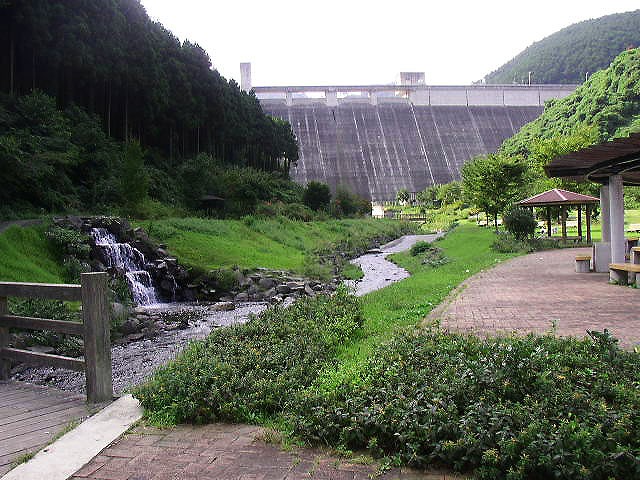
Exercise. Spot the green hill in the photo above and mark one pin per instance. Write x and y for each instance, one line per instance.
(604, 107)
(567, 55)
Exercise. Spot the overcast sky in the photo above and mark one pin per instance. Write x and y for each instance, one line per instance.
(369, 42)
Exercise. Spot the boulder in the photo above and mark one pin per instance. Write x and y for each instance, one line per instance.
(242, 297)
(131, 325)
(266, 283)
(223, 306)
(283, 289)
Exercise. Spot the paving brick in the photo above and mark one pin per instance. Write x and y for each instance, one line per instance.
(531, 293)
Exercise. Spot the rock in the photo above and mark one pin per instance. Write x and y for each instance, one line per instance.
(309, 291)
(140, 311)
(134, 337)
(242, 297)
(295, 285)
(373, 251)
(270, 293)
(223, 306)
(118, 310)
(283, 289)
(266, 283)
(131, 325)
(253, 289)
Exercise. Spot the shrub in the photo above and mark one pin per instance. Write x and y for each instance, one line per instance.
(317, 196)
(293, 211)
(520, 222)
(419, 247)
(248, 371)
(508, 408)
(507, 243)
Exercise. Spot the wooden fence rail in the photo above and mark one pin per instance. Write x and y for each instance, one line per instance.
(94, 329)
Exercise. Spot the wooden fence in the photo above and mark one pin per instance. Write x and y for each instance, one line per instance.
(94, 329)
(413, 217)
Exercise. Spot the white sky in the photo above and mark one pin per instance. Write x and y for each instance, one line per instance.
(369, 42)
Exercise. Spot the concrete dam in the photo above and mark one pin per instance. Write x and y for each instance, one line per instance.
(385, 138)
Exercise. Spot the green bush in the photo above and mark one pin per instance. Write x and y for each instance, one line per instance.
(293, 211)
(520, 222)
(419, 247)
(507, 243)
(508, 408)
(245, 372)
(316, 196)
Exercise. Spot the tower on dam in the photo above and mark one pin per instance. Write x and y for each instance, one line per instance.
(377, 139)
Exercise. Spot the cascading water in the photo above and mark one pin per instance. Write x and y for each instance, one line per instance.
(130, 262)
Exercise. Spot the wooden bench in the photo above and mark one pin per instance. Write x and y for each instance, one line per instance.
(583, 263)
(620, 272)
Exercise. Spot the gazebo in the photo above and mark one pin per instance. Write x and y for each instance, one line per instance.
(563, 199)
(612, 164)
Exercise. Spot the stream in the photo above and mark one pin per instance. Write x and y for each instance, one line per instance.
(380, 272)
(134, 362)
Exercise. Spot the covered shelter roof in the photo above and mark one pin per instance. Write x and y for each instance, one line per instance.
(558, 196)
(597, 163)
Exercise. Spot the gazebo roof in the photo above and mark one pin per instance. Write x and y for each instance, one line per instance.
(598, 162)
(558, 196)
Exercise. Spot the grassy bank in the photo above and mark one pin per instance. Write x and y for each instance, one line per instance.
(275, 243)
(406, 303)
(26, 256)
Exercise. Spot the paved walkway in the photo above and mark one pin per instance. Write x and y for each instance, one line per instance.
(529, 293)
(221, 451)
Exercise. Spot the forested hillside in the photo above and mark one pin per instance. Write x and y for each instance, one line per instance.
(604, 107)
(102, 108)
(110, 58)
(567, 55)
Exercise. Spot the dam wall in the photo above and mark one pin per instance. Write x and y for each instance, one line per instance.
(377, 140)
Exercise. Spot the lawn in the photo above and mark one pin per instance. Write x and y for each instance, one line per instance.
(26, 256)
(275, 243)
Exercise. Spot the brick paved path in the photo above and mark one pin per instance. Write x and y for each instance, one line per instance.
(220, 451)
(526, 294)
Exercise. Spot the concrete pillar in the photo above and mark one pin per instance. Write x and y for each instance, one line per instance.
(288, 99)
(332, 98)
(245, 76)
(373, 98)
(616, 218)
(604, 213)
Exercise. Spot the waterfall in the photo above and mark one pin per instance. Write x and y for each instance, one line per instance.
(130, 262)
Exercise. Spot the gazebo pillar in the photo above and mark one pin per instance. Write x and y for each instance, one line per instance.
(587, 218)
(616, 218)
(580, 222)
(602, 250)
(604, 213)
(549, 222)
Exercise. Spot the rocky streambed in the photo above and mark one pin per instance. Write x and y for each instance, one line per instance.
(134, 360)
(136, 355)
(380, 272)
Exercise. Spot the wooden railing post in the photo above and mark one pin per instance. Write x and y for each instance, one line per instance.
(5, 364)
(97, 344)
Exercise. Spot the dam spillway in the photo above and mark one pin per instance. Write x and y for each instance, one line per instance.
(375, 145)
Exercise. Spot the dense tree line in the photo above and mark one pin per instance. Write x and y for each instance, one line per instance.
(567, 55)
(108, 57)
